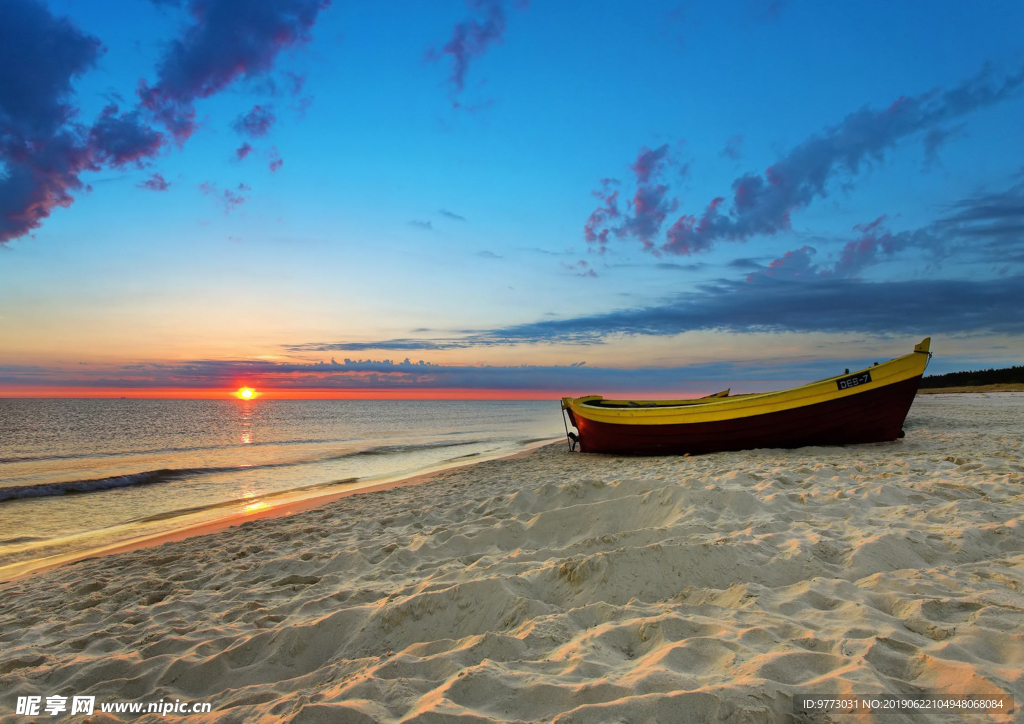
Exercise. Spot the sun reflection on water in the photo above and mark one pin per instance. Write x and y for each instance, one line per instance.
(245, 419)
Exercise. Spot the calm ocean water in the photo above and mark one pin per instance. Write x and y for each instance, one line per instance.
(77, 474)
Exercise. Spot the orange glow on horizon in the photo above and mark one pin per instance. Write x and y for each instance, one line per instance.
(245, 393)
(313, 393)
(267, 393)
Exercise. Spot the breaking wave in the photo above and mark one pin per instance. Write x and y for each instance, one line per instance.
(163, 475)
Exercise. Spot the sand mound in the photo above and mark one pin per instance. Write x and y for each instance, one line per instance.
(574, 588)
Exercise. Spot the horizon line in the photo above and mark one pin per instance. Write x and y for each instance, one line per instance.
(202, 393)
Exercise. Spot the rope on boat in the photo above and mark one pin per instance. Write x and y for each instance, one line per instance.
(569, 437)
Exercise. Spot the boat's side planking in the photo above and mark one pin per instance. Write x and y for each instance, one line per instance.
(869, 405)
(877, 377)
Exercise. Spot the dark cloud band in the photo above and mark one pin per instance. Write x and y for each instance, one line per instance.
(766, 304)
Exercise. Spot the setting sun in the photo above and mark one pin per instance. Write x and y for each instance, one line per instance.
(245, 393)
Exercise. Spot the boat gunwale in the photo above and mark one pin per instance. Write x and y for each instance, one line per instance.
(747, 405)
(617, 404)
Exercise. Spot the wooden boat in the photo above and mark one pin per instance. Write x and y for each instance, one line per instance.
(869, 405)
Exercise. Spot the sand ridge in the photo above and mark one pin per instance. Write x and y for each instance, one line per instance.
(574, 588)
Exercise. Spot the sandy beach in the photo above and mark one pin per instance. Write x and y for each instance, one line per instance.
(575, 588)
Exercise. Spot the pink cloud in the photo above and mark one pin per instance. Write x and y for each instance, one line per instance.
(649, 163)
(471, 39)
(156, 182)
(275, 163)
(256, 123)
(763, 204)
(646, 210)
(230, 199)
(595, 230)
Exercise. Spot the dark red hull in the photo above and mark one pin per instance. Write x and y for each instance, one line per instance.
(871, 416)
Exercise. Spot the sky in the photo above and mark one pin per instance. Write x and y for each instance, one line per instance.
(503, 199)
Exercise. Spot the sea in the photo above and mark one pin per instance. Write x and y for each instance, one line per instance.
(79, 475)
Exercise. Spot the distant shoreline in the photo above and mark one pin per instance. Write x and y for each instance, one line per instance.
(1012, 387)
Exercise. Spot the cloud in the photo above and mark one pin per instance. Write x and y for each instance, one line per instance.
(41, 56)
(275, 162)
(424, 225)
(993, 217)
(650, 203)
(156, 182)
(386, 374)
(795, 264)
(283, 84)
(745, 263)
(646, 211)
(762, 205)
(38, 179)
(732, 147)
(294, 82)
(242, 151)
(488, 255)
(649, 162)
(693, 235)
(987, 225)
(672, 266)
(581, 268)
(874, 241)
(42, 149)
(256, 123)
(767, 304)
(650, 206)
(470, 40)
(824, 305)
(227, 40)
(596, 229)
(985, 228)
(796, 294)
(451, 215)
(394, 345)
(230, 199)
(121, 139)
(936, 138)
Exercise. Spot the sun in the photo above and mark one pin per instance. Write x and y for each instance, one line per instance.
(245, 393)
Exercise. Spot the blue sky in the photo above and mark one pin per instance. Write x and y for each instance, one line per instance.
(435, 181)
